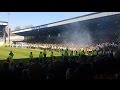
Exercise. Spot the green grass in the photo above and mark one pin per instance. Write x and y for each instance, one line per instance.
(22, 53)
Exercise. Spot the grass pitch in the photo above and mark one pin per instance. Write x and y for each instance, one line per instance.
(22, 53)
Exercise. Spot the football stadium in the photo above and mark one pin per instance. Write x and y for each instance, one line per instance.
(80, 48)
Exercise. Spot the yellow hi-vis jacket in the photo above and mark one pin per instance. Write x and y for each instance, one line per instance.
(51, 54)
(11, 58)
(40, 56)
(30, 56)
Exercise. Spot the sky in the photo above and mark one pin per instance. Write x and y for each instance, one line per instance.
(36, 18)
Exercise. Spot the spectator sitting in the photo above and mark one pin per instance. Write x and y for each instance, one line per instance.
(36, 71)
(50, 76)
(6, 73)
(69, 73)
(54, 59)
(25, 74)
(8, 60)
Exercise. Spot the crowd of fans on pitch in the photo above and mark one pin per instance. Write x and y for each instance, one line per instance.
(98, 64)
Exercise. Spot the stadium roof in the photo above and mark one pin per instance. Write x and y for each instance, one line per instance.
(68, 21)
(3, 23)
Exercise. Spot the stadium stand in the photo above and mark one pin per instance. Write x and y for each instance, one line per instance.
(92, 29)
(3, 32)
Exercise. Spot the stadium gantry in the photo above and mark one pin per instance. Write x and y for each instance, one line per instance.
(102, 27)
